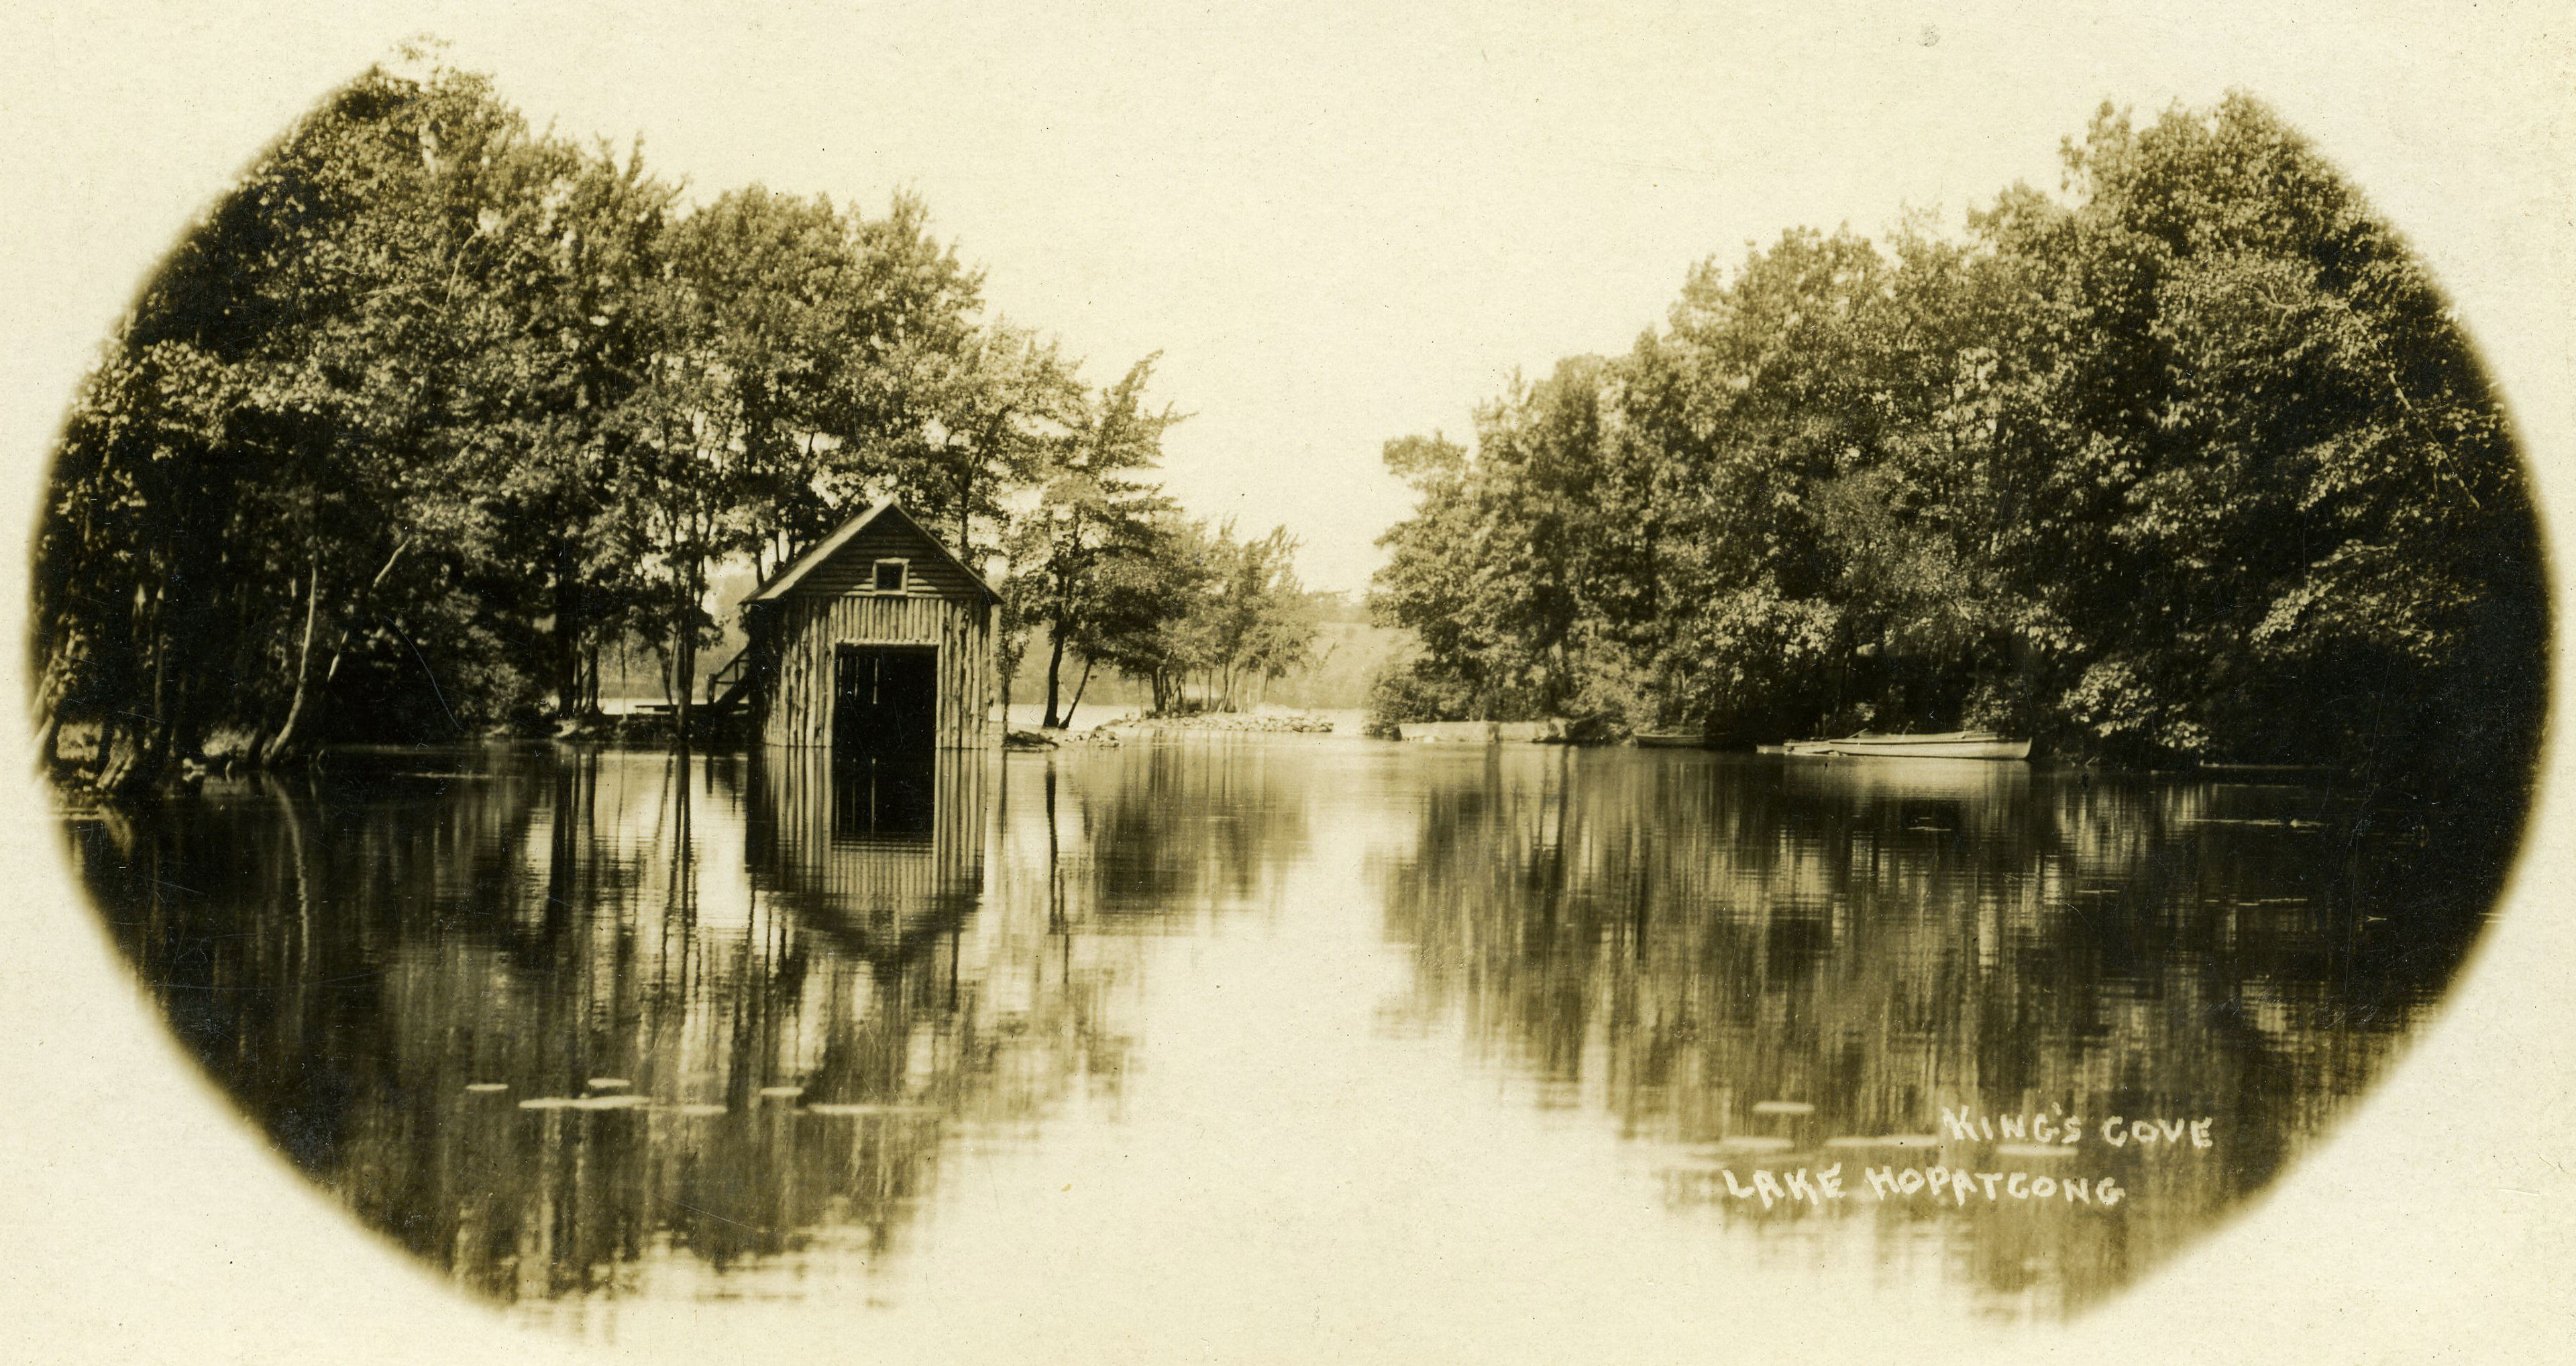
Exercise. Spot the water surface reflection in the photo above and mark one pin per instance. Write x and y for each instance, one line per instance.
(1792, 965)
(592, 1027)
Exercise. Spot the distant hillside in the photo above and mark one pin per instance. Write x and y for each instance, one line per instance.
(1347, 654)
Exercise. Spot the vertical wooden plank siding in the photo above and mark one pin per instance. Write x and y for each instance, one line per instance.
(797, 850)
(880, 894)
(813, 627)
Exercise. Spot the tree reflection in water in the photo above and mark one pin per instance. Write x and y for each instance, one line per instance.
(1680, 939)
(562, 1020)
(582, 1025)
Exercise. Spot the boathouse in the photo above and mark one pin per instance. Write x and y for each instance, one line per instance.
(878, 642)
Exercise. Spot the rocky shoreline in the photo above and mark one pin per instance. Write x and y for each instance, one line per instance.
(1109, 734)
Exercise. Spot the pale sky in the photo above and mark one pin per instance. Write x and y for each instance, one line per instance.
(1338, 227)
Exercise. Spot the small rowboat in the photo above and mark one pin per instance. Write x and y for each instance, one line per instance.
(1672, 739)
(1956, 744)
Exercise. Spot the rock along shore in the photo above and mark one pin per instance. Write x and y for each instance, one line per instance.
(1111, 733)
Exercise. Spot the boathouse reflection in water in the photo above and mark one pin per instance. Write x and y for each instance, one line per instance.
(582, 1026)
(551, 1021)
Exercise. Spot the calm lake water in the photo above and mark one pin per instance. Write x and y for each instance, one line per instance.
(1338, 1041)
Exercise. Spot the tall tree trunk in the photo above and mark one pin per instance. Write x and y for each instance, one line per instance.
(278, 744)
(1078, 689)
(1006, 660)
(684, 653)
(154, 749)
(1055, 673)
(684, 664)
(357, 610)
(567, 630)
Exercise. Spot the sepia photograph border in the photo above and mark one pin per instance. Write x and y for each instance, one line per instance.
(144, 1219)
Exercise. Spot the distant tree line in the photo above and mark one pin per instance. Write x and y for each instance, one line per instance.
(433, 408)
(2191, 464)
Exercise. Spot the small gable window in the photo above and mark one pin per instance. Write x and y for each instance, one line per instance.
(889, 576)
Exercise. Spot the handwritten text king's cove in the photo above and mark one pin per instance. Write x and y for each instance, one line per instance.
(2067, 1131)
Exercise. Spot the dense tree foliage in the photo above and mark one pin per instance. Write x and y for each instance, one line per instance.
(1116, 576)
(433, 408)
(2191, 463)
(1212, 617)
(1075, 558)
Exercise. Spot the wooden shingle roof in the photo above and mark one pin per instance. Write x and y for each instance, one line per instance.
(839, 562)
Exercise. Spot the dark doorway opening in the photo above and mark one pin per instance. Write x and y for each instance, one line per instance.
(878, 801)
(885, 703)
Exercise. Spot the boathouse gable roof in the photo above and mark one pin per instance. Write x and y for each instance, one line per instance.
(843, 561)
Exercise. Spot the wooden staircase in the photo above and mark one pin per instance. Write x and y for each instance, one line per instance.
(729, 690)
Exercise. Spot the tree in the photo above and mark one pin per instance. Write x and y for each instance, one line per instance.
(1493, 573)
(1091, 512)
(2191, 464)
(1252, 613)
(986, 415)
(293, 406)
(593, 325)
(431, 409)
(1146, 624)
(2276, 472)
